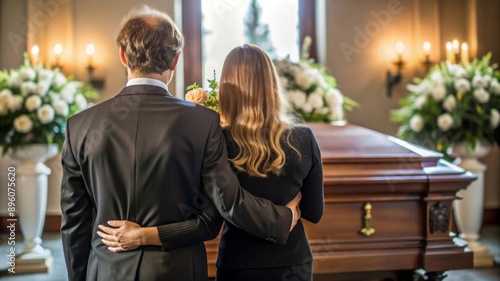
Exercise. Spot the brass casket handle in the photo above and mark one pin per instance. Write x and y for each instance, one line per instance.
(368, 230)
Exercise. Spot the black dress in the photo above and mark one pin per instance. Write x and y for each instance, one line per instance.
(243, 256)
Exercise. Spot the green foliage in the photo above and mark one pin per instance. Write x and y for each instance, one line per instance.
(213, 102)
(350, 104)
(193, 87)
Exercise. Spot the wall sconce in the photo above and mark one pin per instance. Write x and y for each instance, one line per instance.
(427, 62)
(96, 83)
(395, 79)
(90, 65)
(58, 51)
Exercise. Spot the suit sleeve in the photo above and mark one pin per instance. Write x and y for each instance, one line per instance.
(257, 216)
(77, 215)
(204, 226)
(312, 203)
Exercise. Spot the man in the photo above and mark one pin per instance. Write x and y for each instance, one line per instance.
(148, 157)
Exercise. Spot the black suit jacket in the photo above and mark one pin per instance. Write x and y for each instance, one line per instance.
(148, 157)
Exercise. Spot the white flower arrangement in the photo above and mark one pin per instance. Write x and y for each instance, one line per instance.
(452, 104)
(35, 103)
(311, 91)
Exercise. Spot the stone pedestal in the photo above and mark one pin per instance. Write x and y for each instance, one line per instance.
(31, 204)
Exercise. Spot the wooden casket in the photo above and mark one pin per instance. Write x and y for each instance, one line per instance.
(388, 209)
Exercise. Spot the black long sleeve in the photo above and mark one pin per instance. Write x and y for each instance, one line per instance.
(205, 226)
(312, 203)
(76, 207)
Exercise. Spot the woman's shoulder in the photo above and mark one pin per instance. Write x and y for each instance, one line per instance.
(302, 139)
(301, 131)
(302, 134)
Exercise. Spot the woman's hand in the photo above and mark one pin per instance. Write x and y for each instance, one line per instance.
(123, 236)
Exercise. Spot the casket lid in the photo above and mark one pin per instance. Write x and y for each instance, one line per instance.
(371, 161)
(352, 143)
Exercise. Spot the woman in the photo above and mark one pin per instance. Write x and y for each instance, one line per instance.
(273, 159)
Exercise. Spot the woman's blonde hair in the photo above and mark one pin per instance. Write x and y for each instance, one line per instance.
(252, 111)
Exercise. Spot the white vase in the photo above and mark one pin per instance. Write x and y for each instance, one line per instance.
(31, 196)
(469, 210)
(338, 123)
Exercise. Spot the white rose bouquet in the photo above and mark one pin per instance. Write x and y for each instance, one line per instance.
(35, 103)
(311, 91)
(452, 104)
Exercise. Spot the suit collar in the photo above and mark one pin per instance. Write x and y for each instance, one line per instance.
(143, 89)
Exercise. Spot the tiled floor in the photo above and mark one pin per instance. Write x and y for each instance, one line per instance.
(490, 238)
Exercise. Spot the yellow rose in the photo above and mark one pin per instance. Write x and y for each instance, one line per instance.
(198, 96)
(439, 147)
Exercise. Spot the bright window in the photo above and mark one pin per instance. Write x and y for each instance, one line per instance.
(272, 25)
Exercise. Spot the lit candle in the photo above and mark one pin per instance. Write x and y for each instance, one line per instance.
(465, 53)
(90, 53)
(58, 51)
(456, 46)
(34, 54)
(427, 50)
(450, 56)
(427, 47)
(400, 48)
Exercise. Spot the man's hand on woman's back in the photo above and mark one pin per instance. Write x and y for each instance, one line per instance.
(294, 206)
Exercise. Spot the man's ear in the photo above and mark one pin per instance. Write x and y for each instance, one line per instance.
(176, 60)
(122, 57)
